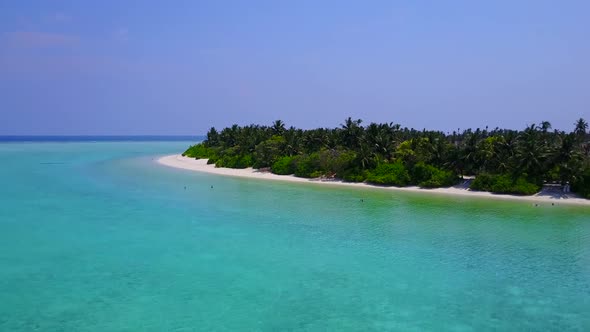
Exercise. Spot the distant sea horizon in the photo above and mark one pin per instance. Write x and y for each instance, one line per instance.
(99, 138)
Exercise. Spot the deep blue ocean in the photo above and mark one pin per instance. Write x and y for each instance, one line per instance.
(96, 236)
(105, 138)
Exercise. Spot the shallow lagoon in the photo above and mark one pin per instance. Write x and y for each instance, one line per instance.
(98, 237)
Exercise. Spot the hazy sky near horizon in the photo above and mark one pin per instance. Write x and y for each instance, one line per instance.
(180, 67)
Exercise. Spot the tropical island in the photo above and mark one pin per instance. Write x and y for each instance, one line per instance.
(499, 161)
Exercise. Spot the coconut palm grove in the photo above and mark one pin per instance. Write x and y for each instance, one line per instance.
(502, 161)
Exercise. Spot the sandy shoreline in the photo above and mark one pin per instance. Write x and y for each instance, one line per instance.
(178, 161)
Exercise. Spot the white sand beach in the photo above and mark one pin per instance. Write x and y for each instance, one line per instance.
(544, 197)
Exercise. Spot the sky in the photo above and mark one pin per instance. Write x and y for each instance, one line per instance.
(181, 67)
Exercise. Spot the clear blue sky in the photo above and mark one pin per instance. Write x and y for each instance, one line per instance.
(179, 67)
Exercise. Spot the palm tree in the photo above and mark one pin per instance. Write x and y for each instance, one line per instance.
(567, 157)
(351, 133)
(314, 140)
(531, 153)
(292, 141)
(365, 157)
(379, 138)
(438, 147)
(506, 152)
(581, 127)
(212, 137)
(278, 127)
(228, 136)
(468, 153)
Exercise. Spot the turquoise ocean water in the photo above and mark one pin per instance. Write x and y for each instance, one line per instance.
(98, 237)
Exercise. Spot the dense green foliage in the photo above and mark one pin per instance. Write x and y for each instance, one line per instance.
(581, 184)
(308, 165)
(198, 151)
(428, 176)
(503, 161)
(394, 174)
(284, 166)
(504, 184)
